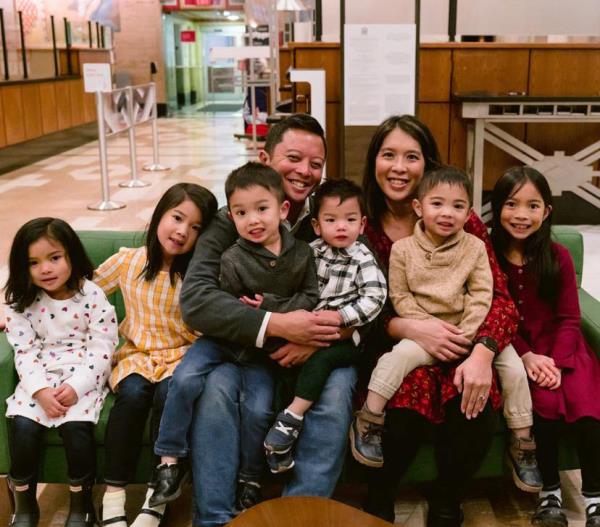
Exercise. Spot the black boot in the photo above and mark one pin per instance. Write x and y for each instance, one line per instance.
(27, 512)
(81, 509)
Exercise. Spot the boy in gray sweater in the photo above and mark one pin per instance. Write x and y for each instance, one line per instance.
(266, 267)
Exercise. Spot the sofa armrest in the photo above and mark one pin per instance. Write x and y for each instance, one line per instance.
(590, 319)
(7, 388)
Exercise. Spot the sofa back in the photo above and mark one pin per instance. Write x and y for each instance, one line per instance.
(102, 244)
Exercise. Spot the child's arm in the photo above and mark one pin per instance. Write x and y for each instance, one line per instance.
(106, 276)
(102, 339)
(502, 319)
(307, 296)
(28, 351)
(372, 292)
(402, 298)
(567, 312)
(478, 297)
(229, 278)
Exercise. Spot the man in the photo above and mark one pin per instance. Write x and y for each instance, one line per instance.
(296, 149)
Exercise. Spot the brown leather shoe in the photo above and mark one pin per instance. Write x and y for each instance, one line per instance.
(365, 437)
(521, 457)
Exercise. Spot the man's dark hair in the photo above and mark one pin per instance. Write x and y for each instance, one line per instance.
(445, 174)
(297, 121)
(254, 174)
(338, 188)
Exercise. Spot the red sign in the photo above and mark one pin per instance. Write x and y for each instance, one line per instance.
(188, 36)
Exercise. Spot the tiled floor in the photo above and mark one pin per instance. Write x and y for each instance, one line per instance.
(202, 150)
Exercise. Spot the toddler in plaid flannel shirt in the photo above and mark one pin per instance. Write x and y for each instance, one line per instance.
(352, 291)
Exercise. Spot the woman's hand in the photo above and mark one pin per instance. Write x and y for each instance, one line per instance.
(542, 370)
(473, 378)
(443, 341)
(292, 354)
(47, 400)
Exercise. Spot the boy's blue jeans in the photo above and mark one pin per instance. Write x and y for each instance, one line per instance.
(186, 387)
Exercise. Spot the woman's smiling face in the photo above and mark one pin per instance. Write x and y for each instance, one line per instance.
(399, 166)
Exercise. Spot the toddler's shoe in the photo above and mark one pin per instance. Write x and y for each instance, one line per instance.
(549, 513)
(366, 432)
(81, 508)
(521, 457)
(279, 462)
(168, 482)
(283, 434)
(248, 494)
(592, 515)
(27, 512)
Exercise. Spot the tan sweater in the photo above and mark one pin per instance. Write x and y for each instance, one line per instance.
(452, 282)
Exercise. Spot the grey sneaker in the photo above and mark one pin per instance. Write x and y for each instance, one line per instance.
(521, 457)
(283, 434)
(365, 437)
(280, 462)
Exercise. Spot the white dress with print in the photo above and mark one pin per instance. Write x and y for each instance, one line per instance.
(63, 341)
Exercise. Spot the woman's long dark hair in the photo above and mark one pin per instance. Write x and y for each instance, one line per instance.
(20, 291)
(178, 193)
(538, 255)
(374, 196)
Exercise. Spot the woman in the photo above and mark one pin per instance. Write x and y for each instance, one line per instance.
(461, 394)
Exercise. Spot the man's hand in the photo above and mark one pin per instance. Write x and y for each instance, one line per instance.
(473, 378)
(51, 406)
(292, 354)
(304, 328)
(253, 302)
(66, 395)
(330, 316)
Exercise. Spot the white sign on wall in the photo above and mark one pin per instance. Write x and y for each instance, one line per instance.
(97, 77)
(379, 72)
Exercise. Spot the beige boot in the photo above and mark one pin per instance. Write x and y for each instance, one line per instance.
(365, 437)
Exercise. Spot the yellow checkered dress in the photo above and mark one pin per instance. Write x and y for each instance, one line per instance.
(155, 336)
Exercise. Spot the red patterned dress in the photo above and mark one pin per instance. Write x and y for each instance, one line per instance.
(426, 389)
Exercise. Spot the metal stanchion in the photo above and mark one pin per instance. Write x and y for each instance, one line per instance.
(106, 203)
(134, 182)
(155, 166)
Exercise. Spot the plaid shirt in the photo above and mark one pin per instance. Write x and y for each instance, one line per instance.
(350, 282)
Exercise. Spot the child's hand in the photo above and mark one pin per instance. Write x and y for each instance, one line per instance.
(66, 395)
(542, 370)
(47, 399)
(253, 302)
(332, 317)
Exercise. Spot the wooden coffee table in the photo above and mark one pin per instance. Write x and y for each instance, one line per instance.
(297, 511)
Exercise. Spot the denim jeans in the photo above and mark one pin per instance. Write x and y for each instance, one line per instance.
(187, 385)
(135, 397)
(25, 438)
(219, 416)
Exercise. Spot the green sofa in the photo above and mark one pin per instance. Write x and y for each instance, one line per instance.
(101, 244)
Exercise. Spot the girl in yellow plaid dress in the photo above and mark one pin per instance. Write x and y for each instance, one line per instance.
(155, 336)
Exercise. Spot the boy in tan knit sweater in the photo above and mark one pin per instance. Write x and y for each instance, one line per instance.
(440, 271)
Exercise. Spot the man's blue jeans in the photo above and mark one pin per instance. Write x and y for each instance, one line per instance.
(226, 406)
(188, 384)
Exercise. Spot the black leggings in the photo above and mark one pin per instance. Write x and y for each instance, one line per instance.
(135, 397)
(461, 445)
(25, 445)
(587, 437)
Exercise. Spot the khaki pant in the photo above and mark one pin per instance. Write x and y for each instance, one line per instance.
(407, 355)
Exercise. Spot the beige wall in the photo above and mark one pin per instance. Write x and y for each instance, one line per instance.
(140, 42)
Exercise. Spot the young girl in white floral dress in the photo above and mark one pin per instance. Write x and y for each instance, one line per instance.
(64, 332)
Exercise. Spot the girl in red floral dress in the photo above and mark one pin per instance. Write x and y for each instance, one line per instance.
(564, 372)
